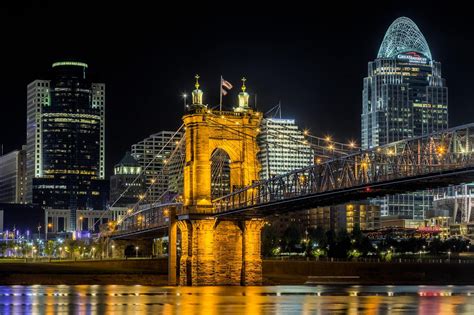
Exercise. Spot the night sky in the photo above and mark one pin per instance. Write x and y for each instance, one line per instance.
(311, 59)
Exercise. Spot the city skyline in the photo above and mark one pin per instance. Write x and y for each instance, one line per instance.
(299, 61)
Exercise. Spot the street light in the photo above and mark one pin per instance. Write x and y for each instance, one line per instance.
(136, 251)
(49, 226)
(449, 255)
(39, 230)
(185, 96)
(80, 223)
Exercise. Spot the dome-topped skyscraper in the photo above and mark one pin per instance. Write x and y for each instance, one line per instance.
(401, 37)
(404, 96)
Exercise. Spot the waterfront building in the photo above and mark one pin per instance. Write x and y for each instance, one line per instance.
(66, 141)
(404, 96)
(152, 154)
(13, 177)
(346, 217)
(456, 202)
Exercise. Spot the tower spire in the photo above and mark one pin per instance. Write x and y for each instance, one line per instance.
(243, 98)
(197, 93)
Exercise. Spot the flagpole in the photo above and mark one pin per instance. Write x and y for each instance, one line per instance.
(220, 95)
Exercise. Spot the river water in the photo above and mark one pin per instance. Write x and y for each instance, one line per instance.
(321, 299)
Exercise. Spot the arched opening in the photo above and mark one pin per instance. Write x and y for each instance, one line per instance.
(220, 173)
(129, 251)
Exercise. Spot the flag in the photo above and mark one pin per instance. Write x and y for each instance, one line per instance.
(225, 85)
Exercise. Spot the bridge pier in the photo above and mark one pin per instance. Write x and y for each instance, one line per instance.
(217, 252)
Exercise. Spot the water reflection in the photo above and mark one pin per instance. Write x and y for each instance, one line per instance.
(115, 299)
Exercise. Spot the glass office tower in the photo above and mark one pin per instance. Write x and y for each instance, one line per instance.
(404, 96)
(66, 144)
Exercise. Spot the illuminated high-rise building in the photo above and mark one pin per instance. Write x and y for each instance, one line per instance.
(404, 96)
(13, 177)
(152, 154)
(66, 141)
(127, 183)
(282, 148)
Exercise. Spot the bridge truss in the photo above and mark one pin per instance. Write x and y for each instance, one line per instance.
(406, 165)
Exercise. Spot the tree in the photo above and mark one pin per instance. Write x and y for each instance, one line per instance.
(269, 240)
(291, 238)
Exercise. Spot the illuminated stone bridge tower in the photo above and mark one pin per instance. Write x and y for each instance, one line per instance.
(216, 251)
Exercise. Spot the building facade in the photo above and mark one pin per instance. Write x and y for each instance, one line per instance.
(456, 202)
(346, 217)
(404, 96)
(127, 183)
(152, 154)
(66, 141)
(13, 177)
(282, 148)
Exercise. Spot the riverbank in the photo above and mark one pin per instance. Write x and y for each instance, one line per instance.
(124, 272)
(367, 273)
(275, 272)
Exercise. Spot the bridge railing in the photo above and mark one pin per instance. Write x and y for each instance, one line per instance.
(451, 149)
(148, 217)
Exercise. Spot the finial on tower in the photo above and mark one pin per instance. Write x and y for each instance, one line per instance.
(243, 98)
(243, 84)
(197, 81)
(197, 93)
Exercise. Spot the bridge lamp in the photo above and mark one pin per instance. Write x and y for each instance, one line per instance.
(185, 96)
(328, 138)
(331, 147)
(352, 144)
(153, 180)
(136, 251)
(306, 132)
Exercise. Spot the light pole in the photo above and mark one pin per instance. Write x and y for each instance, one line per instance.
(80, 223)
(49, 226)
(449, 255)
(136, 251)
(185, 96)
(39, 230)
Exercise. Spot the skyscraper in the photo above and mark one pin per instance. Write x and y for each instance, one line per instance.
(152, 154)
(66, 140)
(13, 177)
(404, 96)
(127, 183)
(282, 148)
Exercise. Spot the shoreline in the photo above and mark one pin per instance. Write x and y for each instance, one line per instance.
(153, 272)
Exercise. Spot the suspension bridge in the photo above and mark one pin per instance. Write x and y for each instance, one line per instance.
(219, 202)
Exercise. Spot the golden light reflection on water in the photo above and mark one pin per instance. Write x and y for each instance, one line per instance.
(371, 300)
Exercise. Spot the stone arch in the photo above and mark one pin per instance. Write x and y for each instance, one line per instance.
(129, 251)
(220, 173)
(206, 131)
